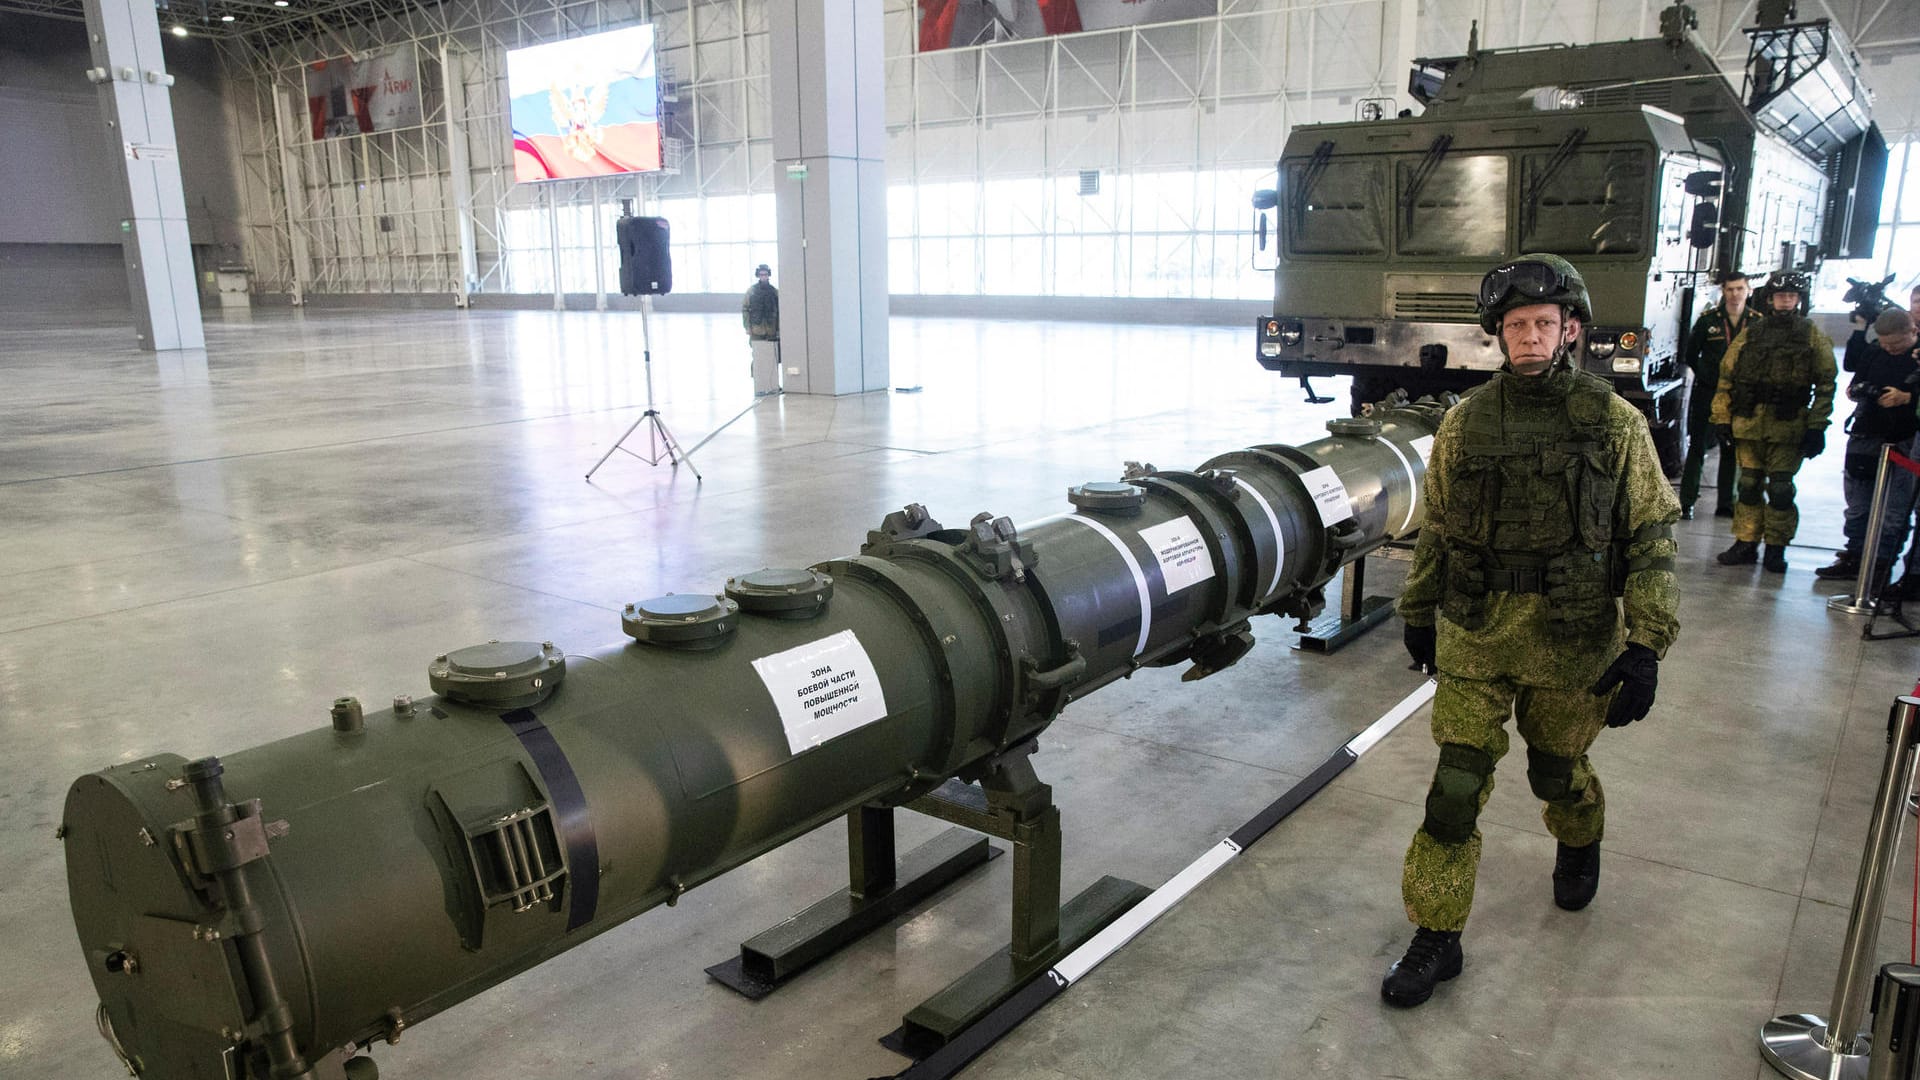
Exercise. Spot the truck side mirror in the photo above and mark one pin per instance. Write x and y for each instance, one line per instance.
(1704, 184)
(1706, 226)
(1260, 232)
(1266, 199)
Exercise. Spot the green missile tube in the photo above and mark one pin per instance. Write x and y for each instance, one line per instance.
(225, 906)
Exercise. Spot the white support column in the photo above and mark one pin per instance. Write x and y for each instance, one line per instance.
(454, 87)
(553, 243)
(599, 249)
(131, 73)
(292, 192)
(1399, 19)
(829, 142)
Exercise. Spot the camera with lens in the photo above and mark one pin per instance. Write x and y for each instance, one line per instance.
(1866, 392)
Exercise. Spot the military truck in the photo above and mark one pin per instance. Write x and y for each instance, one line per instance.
(1637, 160)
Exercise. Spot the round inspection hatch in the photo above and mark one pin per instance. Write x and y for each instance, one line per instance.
(1354, 425)
(1108, 497)
(503, 674)
(782, 592)
(681, 620)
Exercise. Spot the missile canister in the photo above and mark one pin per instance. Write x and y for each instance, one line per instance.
(271, 912)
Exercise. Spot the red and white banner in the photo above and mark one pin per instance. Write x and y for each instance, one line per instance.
(359, 97)
(949, 24)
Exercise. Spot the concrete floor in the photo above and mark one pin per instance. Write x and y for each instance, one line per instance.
(199, 554)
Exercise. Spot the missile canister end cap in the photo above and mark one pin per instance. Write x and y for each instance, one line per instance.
(1364, 427)
(681, 620)
(1108, 497)
(499, 674)
(782, 592)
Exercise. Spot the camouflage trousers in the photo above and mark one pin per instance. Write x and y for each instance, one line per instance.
(1469, 723)
(1766, 473)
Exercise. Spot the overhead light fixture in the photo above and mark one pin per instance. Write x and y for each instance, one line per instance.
(179, 31)
(279, 3)
(226, 18)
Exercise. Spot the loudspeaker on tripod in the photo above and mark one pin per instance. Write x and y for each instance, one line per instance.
(646, 264)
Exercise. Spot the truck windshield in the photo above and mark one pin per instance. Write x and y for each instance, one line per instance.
(1593, 203)
(1340, 211)
(1456, 207)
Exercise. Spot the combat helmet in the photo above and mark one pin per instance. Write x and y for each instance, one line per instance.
(1531, 279)
(1792, 281)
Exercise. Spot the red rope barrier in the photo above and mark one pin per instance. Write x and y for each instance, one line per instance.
(1904, 462)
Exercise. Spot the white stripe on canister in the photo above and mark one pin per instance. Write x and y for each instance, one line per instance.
(1413, 483)
(1133, 567)
(1279, 540)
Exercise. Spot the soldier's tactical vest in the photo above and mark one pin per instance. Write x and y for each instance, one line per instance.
(1531, 506)
(1776, 368)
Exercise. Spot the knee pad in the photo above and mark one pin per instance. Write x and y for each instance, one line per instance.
(1779, 487)
(1453, 803)
(1749, 485)
(1550, 775)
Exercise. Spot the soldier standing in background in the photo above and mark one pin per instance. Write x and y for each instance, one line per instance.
(760, 310)
(1548, 519)
(1773, 405)
(1716, 329)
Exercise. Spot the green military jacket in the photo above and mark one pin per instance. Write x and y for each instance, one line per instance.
(1769, 364)
(760, 311)
(1712, 333)
(1516, 636)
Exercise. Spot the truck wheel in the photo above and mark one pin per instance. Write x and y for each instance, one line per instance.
(1670, 442)
(1667, 421)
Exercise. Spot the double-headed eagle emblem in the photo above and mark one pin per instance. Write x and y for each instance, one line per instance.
(577, 111)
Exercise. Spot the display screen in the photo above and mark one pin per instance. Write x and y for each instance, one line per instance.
(585, 107)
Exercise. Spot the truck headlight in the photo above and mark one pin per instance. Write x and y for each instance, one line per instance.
(1291, 334)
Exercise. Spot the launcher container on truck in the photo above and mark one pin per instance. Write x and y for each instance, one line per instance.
(1637, 160)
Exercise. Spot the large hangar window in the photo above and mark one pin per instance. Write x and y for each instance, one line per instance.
(1339, 208)
(1456, 206)
(1593, 202)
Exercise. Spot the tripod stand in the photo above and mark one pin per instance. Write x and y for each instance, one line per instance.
(661, 445)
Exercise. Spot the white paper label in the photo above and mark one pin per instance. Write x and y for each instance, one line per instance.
(823, 689)
(1183, 555)
(1329, 494)
(1424, 447)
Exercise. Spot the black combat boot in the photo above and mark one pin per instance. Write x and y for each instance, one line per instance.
(1742, 553)
(1576, 875)
(1723, 510)
(1434, 957)
(1844, 565)
(1776, 560)
(1686, 512)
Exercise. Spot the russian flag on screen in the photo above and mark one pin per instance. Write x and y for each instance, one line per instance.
(585, 107)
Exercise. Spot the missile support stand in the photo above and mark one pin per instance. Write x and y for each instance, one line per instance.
(1010, 803)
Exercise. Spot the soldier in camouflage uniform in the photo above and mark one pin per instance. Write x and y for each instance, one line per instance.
(1773, 405)
(1547, 515)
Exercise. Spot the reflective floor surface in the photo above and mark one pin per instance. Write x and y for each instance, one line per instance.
(198, 553)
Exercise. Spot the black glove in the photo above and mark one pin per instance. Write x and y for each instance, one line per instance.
(1637, 673)
(1422, 641)
(1723, 433)
(1812, 442)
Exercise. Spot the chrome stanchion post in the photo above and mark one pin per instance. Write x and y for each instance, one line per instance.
(1804, 1046)
(1858, 602)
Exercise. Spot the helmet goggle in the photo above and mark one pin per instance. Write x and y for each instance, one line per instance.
(1535, 280)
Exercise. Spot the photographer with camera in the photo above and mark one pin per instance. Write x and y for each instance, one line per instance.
(1886, 373)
